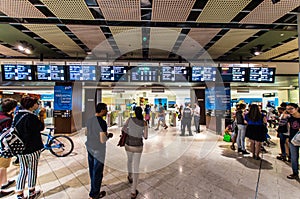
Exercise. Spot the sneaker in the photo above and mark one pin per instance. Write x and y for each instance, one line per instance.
(232, 147)
(293, 176)
(283, 158)
(8, 184)
(129, 179)
(244, 152)
(166, 127)
(6, 193)
(182, 135)
(289, 159)
(190, 134)
(21, 196)
(34, 194)
(156, 129)
(240, 150)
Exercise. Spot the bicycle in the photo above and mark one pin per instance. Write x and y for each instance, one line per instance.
(58, 145)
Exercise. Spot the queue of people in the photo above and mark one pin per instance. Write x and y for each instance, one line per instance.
(253, 124)
(29, 127)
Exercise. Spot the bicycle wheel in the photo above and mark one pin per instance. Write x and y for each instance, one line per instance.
(61, 145)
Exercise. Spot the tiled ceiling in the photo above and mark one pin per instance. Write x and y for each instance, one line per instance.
(151, 29)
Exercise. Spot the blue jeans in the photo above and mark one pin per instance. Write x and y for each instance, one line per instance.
(294, 158)
(283, 138)
(96, 174)
(197, 123)
(240, 140)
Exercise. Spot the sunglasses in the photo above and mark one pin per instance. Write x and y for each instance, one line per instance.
(288, 109)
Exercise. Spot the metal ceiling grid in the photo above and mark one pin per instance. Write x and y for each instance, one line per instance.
(20, 9)
(267, 12)
(120, 10)
(163, 39)
(221, 11)
(292, 45)
(231, 39)
(9, 52)
(127, 38)
(55, 36)
(70, 9)
(289, 56)
(91, 36)
(171, 10)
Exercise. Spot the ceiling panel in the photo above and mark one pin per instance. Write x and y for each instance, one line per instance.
(51, 33)
(9, 52)
(120, 10)
(91, 36)
(171, 10)
(267, 12)
(221, 11)
(288, 56)
(70, 9)
(20, 9)
(163, 39)
(231, 39)
(292, 45)
(127, 38)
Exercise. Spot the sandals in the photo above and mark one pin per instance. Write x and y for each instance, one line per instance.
(134, 195)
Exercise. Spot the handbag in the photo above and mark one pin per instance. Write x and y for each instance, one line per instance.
(282, 129)
(226, 137)
(123, 138)
(296, 139)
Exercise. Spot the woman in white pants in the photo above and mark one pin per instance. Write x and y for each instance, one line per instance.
(136, 128)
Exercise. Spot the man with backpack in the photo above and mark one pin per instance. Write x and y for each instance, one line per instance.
(6, 116)
(186, 120)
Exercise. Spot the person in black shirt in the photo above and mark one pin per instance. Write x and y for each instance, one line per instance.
(96, 146)
(294, 125)
(29, 128)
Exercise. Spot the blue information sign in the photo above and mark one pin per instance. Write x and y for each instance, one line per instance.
(62, 98)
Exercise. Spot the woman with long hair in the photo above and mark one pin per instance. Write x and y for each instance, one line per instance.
(294, 126)
(256, 129)
(137, 129)
(29, 128)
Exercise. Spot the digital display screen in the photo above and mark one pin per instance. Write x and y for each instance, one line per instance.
(258, 74)
(82, 73)
(233, 74)
(20, 72)
(174, 74)
(203, 73)
(50, 72)
(114, 73)
(144, 74)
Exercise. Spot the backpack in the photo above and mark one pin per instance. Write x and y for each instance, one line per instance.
(10, 141)
(187, 113)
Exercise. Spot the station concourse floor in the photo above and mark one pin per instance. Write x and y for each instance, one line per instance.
(172, 167)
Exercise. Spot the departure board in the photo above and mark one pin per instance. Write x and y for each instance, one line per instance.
(114, 73)
(203, 73)
(82, 73)
(144, 74)
(261, 74)
(233, 74)
(51, 73)
(17, 72)
(174, 74)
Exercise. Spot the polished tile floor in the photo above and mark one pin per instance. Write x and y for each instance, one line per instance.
(199, 166)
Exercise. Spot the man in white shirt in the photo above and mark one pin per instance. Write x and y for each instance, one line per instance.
(196, 113)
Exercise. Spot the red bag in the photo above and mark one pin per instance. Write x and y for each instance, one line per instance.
(147, 117)
(122, 140)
